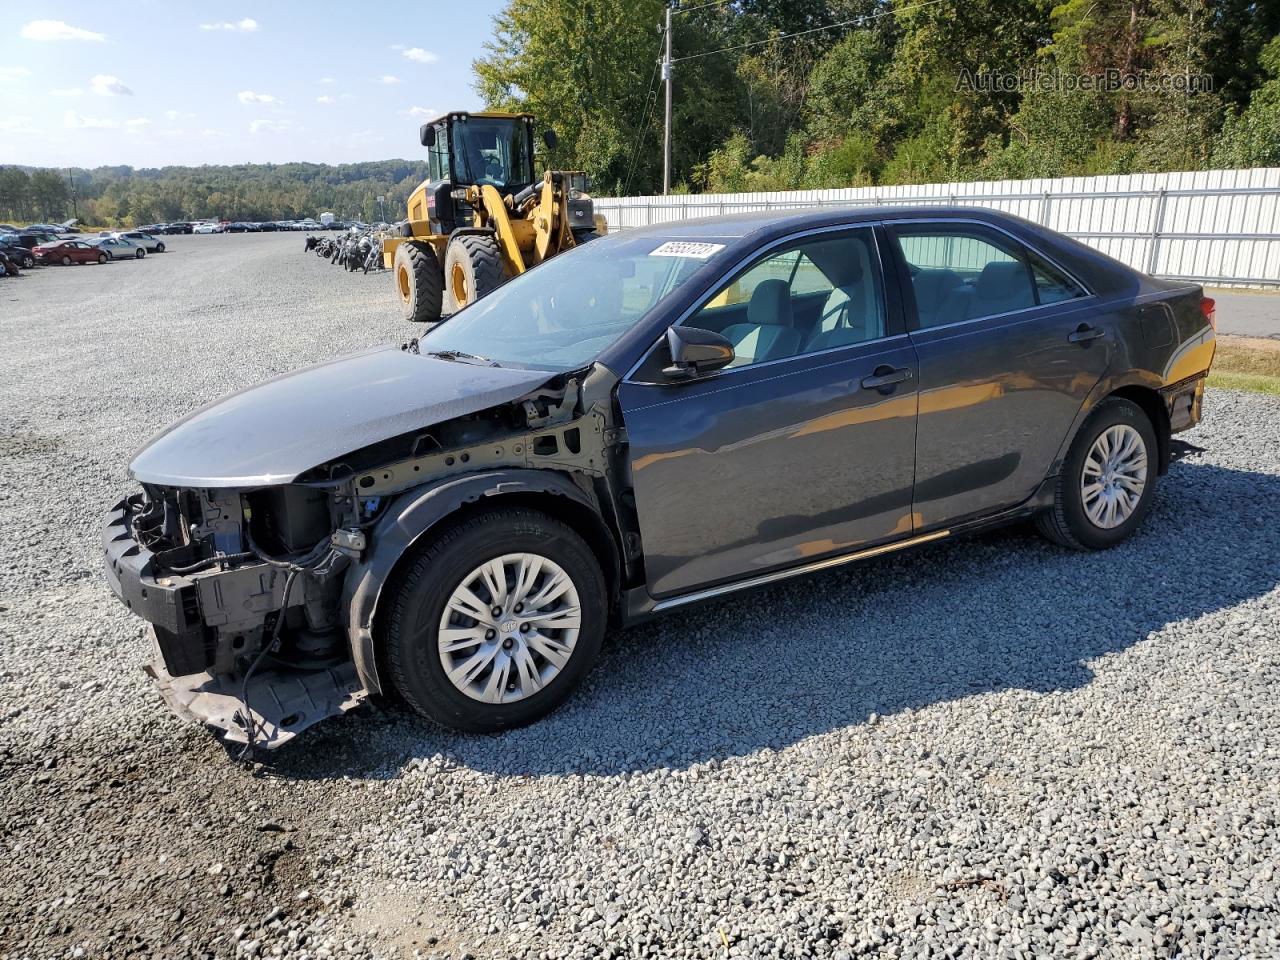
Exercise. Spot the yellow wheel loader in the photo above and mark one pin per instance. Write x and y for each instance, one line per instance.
(481, 216)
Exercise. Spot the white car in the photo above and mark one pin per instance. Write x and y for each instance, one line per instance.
(208, 228)
(117, 248)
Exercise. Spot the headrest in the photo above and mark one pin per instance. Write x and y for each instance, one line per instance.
(1000, 279)
(770, 304)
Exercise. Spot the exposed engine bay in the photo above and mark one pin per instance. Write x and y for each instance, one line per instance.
(260, 600)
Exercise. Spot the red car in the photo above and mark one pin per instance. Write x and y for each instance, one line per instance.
(68, 252)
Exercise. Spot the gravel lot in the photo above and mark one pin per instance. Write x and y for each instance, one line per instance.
(988, 748)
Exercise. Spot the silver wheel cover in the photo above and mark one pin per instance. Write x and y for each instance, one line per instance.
(1114, 476)
(509, 627)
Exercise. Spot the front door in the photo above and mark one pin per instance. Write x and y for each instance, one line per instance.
(801, 449)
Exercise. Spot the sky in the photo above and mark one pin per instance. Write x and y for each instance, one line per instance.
(155, 82)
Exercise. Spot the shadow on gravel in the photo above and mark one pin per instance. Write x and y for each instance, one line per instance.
(1000, 611)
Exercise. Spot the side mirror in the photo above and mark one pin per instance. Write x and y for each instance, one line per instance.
(550, 139)
(427, 134)
(695, 352)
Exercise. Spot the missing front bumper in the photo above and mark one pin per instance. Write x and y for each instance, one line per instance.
(283, 701)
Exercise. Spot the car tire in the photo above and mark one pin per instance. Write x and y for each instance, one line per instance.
(103, 258)
(159, 248)
(461, 558)
(1126, 465)
(139, 254)
(66, 261)
(472, 268)
(419, 281)
(28, 262)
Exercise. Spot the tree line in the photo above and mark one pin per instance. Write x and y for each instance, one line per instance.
(768, 97)
(124, 196)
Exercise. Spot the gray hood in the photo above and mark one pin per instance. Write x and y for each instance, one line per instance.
(272, 432)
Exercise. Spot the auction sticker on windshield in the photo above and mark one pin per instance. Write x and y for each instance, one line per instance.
(686, 248)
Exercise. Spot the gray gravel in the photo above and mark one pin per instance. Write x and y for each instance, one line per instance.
(986, 748)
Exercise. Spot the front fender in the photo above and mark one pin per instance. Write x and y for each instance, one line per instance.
(407, 520)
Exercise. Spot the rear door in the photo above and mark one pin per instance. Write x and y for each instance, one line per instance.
(1010, 345)
(804, 448)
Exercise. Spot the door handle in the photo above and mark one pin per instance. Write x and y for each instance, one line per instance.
(885, 376)
(1084, 333)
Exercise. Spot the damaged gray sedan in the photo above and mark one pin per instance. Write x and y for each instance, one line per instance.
(653, 419)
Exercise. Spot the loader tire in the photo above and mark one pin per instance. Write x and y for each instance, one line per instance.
(419, 281)
(472, 268)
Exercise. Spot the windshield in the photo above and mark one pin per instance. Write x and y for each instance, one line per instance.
(492, 150)
(562, 314)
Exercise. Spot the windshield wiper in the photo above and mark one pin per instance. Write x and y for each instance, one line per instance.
(462, 356)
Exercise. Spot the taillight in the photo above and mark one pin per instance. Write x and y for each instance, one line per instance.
(1208, 307)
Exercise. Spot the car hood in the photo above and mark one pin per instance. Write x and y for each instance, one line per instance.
(272, 432)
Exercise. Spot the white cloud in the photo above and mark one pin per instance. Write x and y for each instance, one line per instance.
(212, 133)
(73, 121)
(247, 25)
(17, 126)
(421, 113)
(418, 55)
(57, 30)
(67, 92)
(325, 99)
(388, 79)
(105, 85)
(13, 73)
(248, 96)
(179, 115)
(326, 79)
(272, 126)
(137, 122)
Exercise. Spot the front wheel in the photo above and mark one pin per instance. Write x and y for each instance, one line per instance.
(1108, 480)
(496, 621)
(102, 258)
(419, 281)
(140, 253)
(66, 261)
(159, 248)
(472, 268)
(28, 262)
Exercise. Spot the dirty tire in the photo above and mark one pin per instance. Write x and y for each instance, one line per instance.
(1066, 522)
(472, 268)
(418, 599)
(419, 281)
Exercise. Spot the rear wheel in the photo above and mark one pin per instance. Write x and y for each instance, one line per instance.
(66, 260)
(496, 621)
(159, 248)
(28, 261)
(1108, 480)
(102, 258)
(140, 253)
(472, 268)
(419, 281)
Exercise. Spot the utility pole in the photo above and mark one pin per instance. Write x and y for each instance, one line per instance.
(666, 120)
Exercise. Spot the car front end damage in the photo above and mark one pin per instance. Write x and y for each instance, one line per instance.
(260, 599)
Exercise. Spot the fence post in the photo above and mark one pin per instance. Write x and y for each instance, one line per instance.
(1044, 208)
(1153, 251)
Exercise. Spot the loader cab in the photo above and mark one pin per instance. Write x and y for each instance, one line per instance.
(475, 149)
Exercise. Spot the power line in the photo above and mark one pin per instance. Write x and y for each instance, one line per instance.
(701, 6)
(802, 33)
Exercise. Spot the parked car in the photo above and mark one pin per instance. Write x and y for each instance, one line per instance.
(208, 228)
(657, 418)
(67, 252)
(118, 248)
(177, 228)
(15, 251)
(144, 240)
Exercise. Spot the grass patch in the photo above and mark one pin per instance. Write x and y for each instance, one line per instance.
(1256, 382)
(1247, 355)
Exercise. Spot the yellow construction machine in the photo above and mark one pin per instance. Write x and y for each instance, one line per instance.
(481, 216)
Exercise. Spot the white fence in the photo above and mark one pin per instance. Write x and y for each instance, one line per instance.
(1214, 226)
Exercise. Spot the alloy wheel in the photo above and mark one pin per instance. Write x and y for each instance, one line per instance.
(509, 628)
(1114, 476)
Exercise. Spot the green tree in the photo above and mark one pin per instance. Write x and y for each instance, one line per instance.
(49, 194)
(1252, 137)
